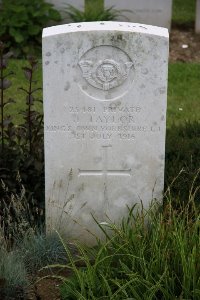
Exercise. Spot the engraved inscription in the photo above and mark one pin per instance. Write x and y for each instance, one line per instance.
(105, 72)
(105, 171)
(104, 123)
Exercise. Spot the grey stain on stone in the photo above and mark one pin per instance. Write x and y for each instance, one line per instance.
(162, 90)
(97, 159)
(138, 166)
(46, 62)
(163, 118)
(67, 86)
(48, 54)
(145, 71)
(108, 96)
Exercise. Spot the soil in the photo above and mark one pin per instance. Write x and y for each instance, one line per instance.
(184, 47)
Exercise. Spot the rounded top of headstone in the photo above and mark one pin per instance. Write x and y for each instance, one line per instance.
(105, 26)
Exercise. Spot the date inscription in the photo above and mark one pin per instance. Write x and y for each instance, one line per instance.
(122, 122)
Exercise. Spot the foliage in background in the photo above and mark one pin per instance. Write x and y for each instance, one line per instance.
(183, 153)
(152, 255)
(21, 149)
(183, 12)
(94, 11)
(183, 93)
(22, 21)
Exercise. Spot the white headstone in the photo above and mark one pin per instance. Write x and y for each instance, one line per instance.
(197, 24)
(105, 92)
(152, 12)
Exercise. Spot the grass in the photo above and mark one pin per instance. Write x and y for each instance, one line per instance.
(12, 273)
(183, 11)
(151, 254)
(183, 91)
(154, 259)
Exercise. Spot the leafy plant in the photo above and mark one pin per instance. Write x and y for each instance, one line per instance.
(22, 21)
(31, 116)
(92, 13)
(22, 158)
(5, 83)
(30, 139)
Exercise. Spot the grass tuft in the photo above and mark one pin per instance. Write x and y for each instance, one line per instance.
(152, 254)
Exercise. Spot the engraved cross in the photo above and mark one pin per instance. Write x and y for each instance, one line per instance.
(105, 171)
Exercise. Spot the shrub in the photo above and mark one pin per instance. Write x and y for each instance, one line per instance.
(22, 21)
(38, 250)
(13, 275)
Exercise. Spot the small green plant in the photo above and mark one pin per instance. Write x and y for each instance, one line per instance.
(33, 119)
(38, 250)
(22, 21)
(13, 275)
(20, 264)
(5, 83)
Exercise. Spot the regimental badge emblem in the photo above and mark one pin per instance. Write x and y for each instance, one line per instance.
(105, 74)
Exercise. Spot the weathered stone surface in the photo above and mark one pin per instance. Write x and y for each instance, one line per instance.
(152, 12)
(105, 88)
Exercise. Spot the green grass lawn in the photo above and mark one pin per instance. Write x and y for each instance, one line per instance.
(183, 11)
(183, 91)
